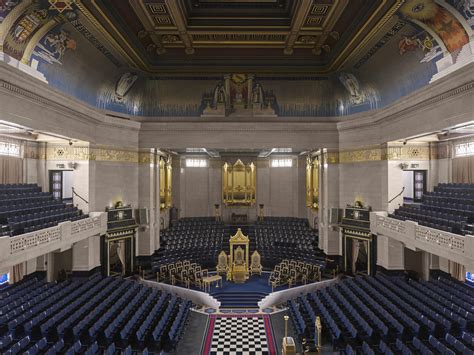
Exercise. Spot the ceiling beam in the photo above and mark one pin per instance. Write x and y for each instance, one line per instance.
(297, 23)
(179, 20)
(148, 24)
(341, 6)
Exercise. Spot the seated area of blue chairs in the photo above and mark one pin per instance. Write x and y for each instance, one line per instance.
(279, 238)
(450, 208)
(24, 208)
(93, 315)
(201, 239)
(390, 315)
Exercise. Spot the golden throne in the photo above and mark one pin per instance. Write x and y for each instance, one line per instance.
(222, 265)
(238, 263)
(255, 264)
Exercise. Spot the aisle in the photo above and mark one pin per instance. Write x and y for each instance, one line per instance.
(239, 334)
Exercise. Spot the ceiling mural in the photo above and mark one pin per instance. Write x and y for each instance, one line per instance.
(6, 6)
(270, 58)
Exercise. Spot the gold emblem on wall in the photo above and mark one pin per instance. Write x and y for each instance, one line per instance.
(239, 184)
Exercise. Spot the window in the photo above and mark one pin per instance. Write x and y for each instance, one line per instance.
(196, 163)
(10, 149)
(282, 163)
(464, 149)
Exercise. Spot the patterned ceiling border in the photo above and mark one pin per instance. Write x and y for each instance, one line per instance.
(64, 152)
(386, 153)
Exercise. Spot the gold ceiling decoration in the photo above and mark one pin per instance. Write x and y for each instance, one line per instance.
(236, 33)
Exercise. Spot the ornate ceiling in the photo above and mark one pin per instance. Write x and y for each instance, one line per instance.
(316, 36)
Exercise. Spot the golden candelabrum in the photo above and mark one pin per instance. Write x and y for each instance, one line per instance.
(166, 188)
(239, 184)
(312, 182)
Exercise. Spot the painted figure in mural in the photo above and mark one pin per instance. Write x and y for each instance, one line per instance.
(124, 84)
(439, 20)
(59, 42)
(352, 85)
(427, 45)
(408, 44)
(257, 96)
(219, 95)
(6, 6)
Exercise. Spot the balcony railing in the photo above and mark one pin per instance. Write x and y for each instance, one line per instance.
(15, 250)
(458, 248)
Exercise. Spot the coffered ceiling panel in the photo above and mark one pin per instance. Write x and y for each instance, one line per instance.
(215, 35)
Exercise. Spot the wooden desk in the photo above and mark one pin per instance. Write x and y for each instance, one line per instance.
(207, 281)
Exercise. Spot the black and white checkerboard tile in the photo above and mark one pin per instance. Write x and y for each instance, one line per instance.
(239, 336)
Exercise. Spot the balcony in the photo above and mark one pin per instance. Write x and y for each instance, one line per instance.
(18, 249)
(457, 248)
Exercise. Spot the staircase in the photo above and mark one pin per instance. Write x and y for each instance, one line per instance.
(239, 299)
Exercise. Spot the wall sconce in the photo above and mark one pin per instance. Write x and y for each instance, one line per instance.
(72, 165)
(403, 166)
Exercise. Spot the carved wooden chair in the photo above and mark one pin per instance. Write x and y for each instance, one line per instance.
(255, 264)
(222, 263)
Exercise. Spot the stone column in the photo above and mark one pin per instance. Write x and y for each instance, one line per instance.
(328, 198)
(148, 189)
(86, 254)
(390, 253)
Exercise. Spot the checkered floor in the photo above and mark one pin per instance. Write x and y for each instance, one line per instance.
(239, 336)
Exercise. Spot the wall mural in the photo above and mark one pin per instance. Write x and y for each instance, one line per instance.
(466, 9)
(439, 20)
(6, 6)
(52, 47)
(75, 59)
(23, 29)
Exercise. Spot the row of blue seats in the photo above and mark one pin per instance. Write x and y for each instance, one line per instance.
(23, 200)
(20, 195)
(139, 315)
(179, 323)
(16, 186)
(154, 314)
(389, 314)
(164, 322)
(8, 211)
(124, 308)
(76, 311)
(42, 214)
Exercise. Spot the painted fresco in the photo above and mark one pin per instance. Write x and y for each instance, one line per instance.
(466, 9)
(6, 6)
(439, 20)
(24, 28)
(52, 47)
(402, 65)
(401, 60)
